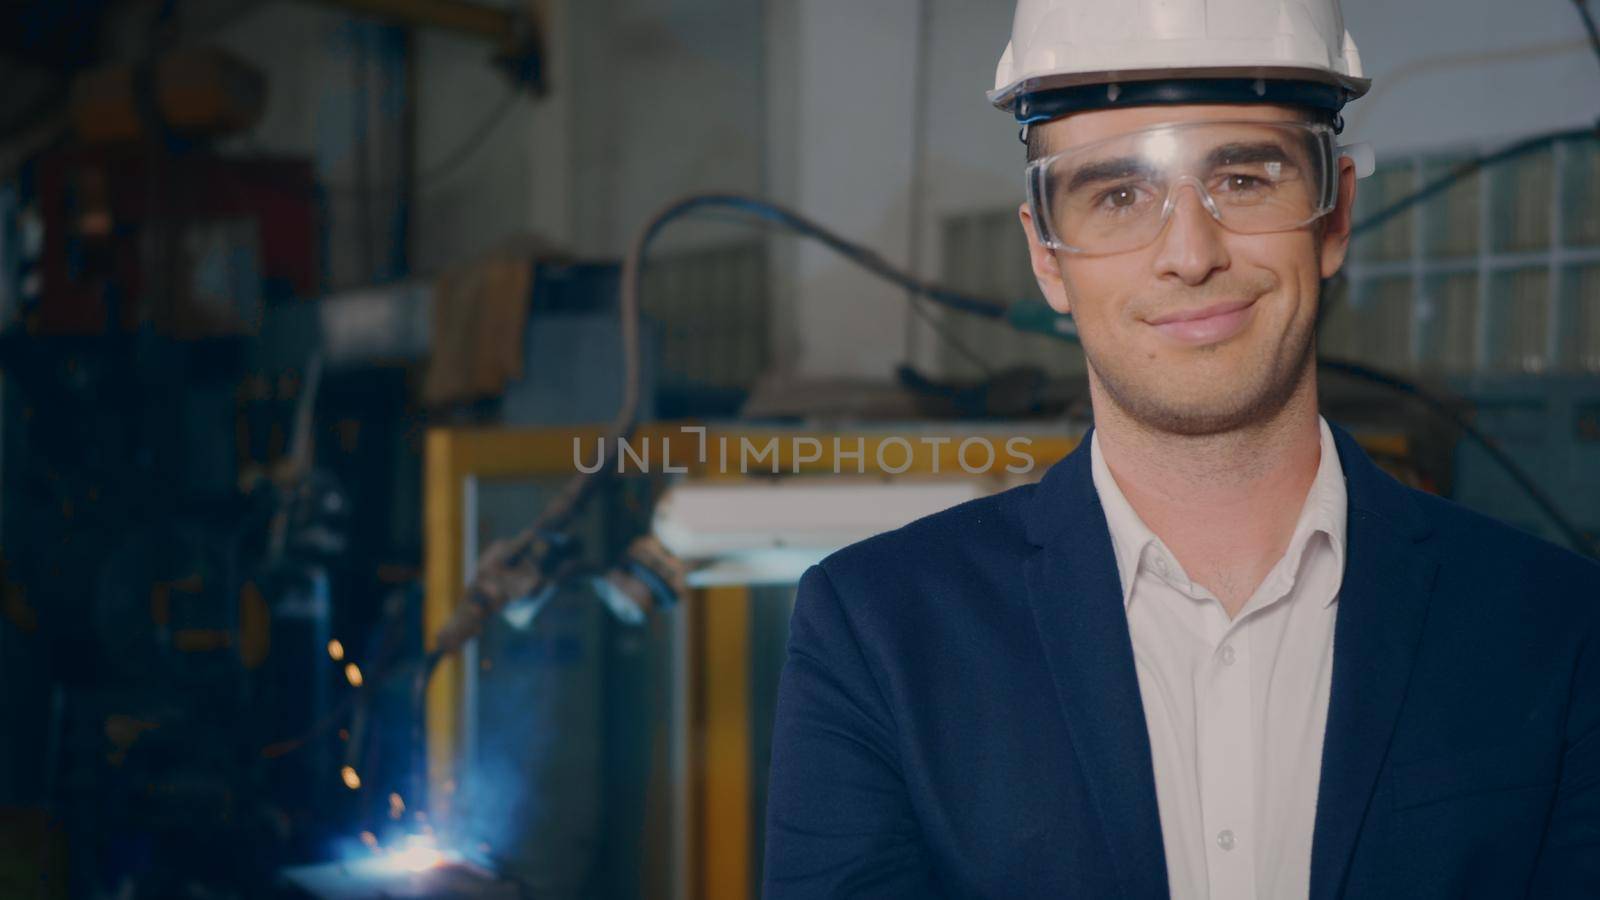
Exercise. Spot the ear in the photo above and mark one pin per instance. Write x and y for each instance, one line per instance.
(1335, 234)
(1046, 268)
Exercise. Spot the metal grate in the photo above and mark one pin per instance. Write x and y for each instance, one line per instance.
(1496, 274)
(1451, 229)
(1446, 319)
(1581, 339)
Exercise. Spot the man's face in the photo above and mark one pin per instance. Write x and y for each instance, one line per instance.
(1203, 376)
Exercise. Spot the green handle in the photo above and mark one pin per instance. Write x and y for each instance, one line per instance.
(1037, 316)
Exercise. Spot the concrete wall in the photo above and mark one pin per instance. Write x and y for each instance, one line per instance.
(518, 181)
(669, 100)
(846, 147)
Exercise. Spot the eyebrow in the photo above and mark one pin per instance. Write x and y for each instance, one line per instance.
(1244, 154)
(1109, 170)
(1125, 167)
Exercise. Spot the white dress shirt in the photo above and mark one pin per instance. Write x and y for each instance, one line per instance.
(1235, 708)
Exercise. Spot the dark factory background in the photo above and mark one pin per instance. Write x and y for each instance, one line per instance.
(303, 306)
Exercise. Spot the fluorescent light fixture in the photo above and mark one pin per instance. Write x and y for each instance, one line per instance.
(770, 532)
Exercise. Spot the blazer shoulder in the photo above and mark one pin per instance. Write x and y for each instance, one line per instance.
(1497, 552)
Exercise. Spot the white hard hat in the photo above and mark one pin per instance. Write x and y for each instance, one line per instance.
(1067, 55)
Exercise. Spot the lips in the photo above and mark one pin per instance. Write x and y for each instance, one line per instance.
(1216, 309)
(1207, 325)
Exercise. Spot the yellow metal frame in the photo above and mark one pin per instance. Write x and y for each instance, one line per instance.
(718, 619)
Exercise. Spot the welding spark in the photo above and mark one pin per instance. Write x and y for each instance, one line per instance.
(351, 779)
(397, 806)
(419, 854)
(352, 672)
(336, 650)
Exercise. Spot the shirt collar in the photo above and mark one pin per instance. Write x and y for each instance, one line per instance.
(1134, 545)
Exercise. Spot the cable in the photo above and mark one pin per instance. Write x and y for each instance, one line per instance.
(1588, 25)
(941, 329)
(467, 148)
(1456, 174)
(1577, 537)
(1445, 62)
(1465, 169)
(919, 172)
(517, 567)
(946, 334)
(856, 253)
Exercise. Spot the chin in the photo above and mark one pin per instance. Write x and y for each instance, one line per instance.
(1197, 391)
(1193, 422)
(1196, 413)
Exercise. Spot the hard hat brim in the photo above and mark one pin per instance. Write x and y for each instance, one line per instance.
(1120, 88)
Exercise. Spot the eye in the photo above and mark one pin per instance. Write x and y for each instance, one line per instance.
(1119, 199)
(1243, 183)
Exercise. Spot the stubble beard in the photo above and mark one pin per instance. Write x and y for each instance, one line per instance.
(1260, 395)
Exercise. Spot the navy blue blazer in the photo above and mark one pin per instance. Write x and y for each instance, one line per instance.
(959, 714)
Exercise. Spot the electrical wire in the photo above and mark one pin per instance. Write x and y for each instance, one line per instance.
(1518, 149)
(469, 147)
(1588, 25)
(1468, 168)
(945, 333)
(918, 168)
(1444, 182)
(939, 327)
(1444, 63)
(855, 253)
(1574, 535)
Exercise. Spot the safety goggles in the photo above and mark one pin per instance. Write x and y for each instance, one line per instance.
(1253, 177)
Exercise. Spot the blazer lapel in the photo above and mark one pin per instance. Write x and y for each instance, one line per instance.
(1383, 602)
(1076, 599)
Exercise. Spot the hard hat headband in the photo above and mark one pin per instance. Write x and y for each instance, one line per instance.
(1042, 105)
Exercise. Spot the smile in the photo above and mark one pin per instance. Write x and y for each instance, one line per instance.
(1209, 325)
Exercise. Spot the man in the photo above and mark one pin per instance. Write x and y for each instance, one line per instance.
(1215, 652)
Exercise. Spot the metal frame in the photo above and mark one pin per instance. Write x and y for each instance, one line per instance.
(712, 796)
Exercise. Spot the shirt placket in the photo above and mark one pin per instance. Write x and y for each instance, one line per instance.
(1227, 763)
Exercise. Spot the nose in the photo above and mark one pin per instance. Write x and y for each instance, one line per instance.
(1191, 245)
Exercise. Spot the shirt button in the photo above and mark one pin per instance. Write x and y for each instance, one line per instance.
(1228, 656)
(1225, 839)
(1161, 566)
